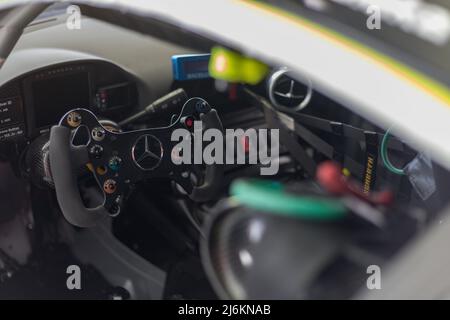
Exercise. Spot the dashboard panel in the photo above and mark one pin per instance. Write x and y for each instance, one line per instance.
(33, 102)
(117, 75)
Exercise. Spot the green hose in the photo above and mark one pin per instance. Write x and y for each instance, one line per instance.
(384, 155)
(271, 197)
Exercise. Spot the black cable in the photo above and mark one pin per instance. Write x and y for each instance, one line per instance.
(170, 103)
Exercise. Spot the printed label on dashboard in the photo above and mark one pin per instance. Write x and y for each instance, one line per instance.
(10, 111)
(12, 132)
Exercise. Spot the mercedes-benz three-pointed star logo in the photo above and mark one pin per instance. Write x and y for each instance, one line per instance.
(147, 152)
(290, 94)
(287, 92)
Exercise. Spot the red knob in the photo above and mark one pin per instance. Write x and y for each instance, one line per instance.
(330, 177)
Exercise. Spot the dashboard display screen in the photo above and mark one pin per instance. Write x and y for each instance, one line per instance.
(56, 96)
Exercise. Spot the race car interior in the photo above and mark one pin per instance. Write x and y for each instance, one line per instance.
(88, 175)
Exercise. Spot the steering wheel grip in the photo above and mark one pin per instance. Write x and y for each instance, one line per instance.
(214, 172)
(64, 157)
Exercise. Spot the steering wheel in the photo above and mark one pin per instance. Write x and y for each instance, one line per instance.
(120, 160)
